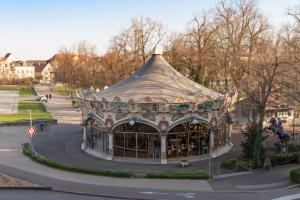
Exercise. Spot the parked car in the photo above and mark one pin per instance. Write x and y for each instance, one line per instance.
(41, 98)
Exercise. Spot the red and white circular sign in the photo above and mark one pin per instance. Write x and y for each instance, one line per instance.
(31, 131)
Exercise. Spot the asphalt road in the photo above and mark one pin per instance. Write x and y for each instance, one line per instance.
(151, 195)
(44, 195)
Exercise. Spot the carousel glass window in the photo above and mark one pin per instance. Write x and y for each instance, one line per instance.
(222, 136)
(97, 136)
(185, 140)
(137, 140)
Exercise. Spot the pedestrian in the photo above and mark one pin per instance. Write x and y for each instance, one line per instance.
(42, 125)
(50, 96)
(47, 96)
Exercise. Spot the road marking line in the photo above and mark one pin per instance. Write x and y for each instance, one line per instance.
(153, 193)
(289, 197)
(186, 195)
(7, 150)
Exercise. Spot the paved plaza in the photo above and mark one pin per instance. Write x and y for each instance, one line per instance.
(9, 101)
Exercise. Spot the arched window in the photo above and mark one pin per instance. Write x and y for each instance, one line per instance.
(97, 136)
(137, 141)
(186, 139)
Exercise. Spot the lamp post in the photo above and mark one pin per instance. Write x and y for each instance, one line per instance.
(30, 137)
(30, 117)
(213, 124)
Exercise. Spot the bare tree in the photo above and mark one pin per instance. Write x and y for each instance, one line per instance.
(240, 24)
(268, 63)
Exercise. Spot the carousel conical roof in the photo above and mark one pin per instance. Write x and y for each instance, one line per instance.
(158, 80)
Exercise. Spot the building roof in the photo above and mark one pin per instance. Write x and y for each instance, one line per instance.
(158, 80)
(7, 55)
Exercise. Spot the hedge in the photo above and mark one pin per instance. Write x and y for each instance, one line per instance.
(295, 175)
(284, 158)
(234, 164)
(40, 159)
(179, 175)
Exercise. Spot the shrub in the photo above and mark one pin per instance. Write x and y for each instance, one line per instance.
(248, 145)
(38, 158)
(229, 164)
(234, 164)
(284, 158)
(179, 175)
(295, 175)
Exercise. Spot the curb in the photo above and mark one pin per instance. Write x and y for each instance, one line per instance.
(256, 191)
(26, 188)
(102, 195)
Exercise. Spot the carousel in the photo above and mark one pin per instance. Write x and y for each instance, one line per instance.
(157, 115)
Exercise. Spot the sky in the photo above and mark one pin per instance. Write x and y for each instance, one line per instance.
(37, 29)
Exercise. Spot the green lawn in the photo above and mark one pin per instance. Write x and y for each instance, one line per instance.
(27, 92)
(23, 90)
(38, 112)
(62, 90)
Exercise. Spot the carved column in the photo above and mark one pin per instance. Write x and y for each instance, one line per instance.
(163, 147)
(110, 146)
(229, 131)
(212, 139)
(84, 138)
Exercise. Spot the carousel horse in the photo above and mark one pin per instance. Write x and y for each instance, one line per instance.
(277, 128)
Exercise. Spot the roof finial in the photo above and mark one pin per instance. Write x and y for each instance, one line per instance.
(157, 50)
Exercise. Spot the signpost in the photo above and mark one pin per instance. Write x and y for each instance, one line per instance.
(31, 131)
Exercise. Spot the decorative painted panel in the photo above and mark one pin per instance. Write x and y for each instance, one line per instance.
(119, 106)
(120, 116)
(149, 116)
(180, 107)
(149, 107)
(177, 116)
(208, 105)
(96, 105)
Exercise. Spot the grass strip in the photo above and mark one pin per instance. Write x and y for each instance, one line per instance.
(38, 110)
(62, 90)
(23, 90)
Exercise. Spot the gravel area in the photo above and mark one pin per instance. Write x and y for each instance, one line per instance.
(8, 181)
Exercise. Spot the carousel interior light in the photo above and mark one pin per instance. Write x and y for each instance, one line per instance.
(195, 121)
(131, 122)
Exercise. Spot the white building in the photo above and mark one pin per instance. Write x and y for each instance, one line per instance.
(6, 66)
(46, 73)
(24, 71)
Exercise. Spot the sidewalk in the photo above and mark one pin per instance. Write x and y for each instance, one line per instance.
(60, 107)
(261, 179)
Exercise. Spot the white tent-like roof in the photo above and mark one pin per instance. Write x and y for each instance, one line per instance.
(158, 80)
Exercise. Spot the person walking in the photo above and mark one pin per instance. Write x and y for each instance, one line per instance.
(50, 96)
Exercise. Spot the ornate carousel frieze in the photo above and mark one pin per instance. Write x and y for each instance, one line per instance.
(152, 120)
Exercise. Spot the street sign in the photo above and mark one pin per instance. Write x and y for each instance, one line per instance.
(31, 131)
